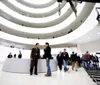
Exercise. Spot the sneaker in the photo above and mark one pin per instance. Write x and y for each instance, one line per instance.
(47, 75)
(66, 69)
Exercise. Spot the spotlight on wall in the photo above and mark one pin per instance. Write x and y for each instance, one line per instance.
(53, 37)
(22, 24)
(70, 31)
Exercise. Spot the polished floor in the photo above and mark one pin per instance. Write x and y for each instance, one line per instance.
(58, 78)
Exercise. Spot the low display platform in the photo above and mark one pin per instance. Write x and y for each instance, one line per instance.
(23, 65)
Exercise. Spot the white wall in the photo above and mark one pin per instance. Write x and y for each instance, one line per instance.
(4, 51)
(92, 47)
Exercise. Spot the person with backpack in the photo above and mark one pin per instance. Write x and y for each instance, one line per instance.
(65, 57)
(74, 58)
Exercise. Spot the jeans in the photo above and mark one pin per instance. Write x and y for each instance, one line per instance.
(48, 67)
(65, 63)
(86, 64)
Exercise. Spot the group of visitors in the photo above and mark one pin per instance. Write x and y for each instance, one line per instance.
(90, 60)
(14, 56)
(63, 58)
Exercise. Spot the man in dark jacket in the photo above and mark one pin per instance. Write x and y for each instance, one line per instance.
(60, 60)
(65, 56)
(47, 56)
(35, 55)
(74, 60)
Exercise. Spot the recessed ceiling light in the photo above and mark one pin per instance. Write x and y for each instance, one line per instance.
(89, 37)
(98, 33)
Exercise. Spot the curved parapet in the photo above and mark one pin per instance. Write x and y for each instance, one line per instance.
(23, 65)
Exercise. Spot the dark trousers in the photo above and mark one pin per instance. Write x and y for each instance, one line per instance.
(79, 63)
(60, 66)
(60, 63)
(35, 63)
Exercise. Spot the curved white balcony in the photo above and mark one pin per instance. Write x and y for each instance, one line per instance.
(32, 5)
(58, 27)
(25, 11)
(82, 30)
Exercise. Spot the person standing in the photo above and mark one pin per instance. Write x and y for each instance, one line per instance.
(60, 60)
(10, 55)
(86, 60)
(14, 55)
(47, 56)
(35, 55)
(20, 54)
(74, 60)
(65, 56)
(79, 61)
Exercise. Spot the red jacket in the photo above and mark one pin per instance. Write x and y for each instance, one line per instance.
(86, 56)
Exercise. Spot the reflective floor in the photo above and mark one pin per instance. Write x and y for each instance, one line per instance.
(58, 78)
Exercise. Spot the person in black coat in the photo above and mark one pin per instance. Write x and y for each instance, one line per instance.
(47, 56)
(20, 55)
(60, 60)
(14, 55)
(10, 55)
(65, 57)
(35, 55)
(73, 58)
(47, 51)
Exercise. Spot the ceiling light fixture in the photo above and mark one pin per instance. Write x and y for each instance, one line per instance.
(89, 37)
(98, 33)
